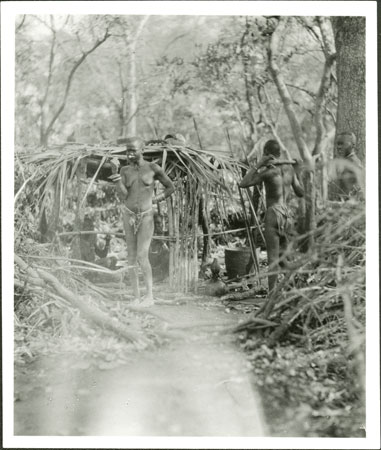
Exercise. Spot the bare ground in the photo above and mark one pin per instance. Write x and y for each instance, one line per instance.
(197, 385)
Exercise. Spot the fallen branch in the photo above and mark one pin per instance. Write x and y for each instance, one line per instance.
(254, 321)
(97, 316)
(242, 295)
(200, 324)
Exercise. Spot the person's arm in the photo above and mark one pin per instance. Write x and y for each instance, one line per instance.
(118, 179)
(252, 178)
(164, 179)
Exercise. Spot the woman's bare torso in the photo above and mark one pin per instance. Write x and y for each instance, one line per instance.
(139, 182)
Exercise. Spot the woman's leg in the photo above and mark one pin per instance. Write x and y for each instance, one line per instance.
(272, 247)
(144, 235)
(131, 240)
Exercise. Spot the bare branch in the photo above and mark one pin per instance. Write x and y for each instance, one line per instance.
(327, 35)
(311, 31)
(310, 93)
(69, 81)
(19, 26)
(173, 41)
(271, 123)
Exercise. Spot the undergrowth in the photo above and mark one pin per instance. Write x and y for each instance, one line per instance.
(308, 358)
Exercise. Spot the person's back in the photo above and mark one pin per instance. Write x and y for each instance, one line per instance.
(277, 181)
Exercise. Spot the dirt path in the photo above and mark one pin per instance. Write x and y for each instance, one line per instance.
(197, 386)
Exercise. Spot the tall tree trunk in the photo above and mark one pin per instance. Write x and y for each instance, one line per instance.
(288, 104)
(132, 87)
(350, 49)
(322, 136)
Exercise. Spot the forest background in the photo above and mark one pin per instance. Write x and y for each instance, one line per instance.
(95, 78)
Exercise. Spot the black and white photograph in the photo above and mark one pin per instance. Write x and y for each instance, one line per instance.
(190, 225)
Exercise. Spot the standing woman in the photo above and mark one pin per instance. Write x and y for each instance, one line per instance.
(135, 187)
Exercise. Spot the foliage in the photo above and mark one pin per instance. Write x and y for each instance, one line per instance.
(313, 287)
(191, 68)
(319, 308)
(309, 394)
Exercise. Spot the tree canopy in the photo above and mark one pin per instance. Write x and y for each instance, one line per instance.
(202, 76)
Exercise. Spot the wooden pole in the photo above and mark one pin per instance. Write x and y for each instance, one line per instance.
(176, 212)
(255, 215)
(249, 235)
(198, 134)
(80, 211)
(195, 241)
(171, 244)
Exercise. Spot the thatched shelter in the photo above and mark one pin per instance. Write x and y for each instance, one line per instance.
(202, 179)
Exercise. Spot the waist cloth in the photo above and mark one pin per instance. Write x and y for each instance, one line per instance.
(135, 219)
(283, 217)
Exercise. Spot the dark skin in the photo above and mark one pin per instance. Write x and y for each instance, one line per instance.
(136, 189)
(278, 181)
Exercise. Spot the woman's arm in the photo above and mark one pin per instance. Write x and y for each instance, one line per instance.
(161, 176)
(118, 179)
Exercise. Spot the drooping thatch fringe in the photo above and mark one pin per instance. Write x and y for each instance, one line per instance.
(197, 174)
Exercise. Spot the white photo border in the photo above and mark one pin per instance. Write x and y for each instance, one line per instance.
(368, 9)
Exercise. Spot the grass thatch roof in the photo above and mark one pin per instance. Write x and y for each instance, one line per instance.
(58, 163)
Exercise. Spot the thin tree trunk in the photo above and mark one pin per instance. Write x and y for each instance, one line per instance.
(330, 55)
(248, 78)
(287, 99)
(132, 88)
